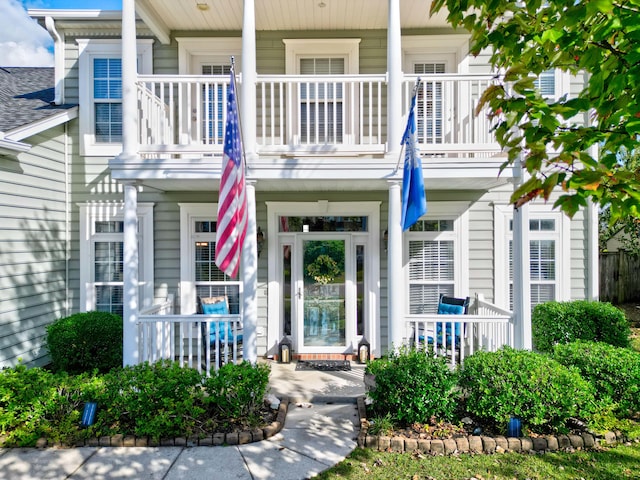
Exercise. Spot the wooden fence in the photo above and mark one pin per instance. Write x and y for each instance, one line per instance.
(619, 277)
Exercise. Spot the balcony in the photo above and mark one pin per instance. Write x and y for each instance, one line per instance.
(184, 116)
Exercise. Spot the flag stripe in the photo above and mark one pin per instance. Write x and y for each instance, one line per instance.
(414, 201)
(231, 226)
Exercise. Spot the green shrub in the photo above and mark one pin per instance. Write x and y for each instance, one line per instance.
(37, 403)
(565, 322)
(413, 386)
(234, 394)
(532, 386)
(613, 371)
(84, 342)
(158, 400)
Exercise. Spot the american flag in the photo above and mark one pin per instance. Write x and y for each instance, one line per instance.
(232, 201)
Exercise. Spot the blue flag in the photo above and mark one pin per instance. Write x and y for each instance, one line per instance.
(414, 201)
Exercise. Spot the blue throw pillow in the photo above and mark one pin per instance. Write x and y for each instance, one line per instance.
(447, 309)
(218, 308)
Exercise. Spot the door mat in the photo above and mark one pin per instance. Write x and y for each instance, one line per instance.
(324, 365)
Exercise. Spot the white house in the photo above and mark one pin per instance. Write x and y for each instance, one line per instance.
(323, 89)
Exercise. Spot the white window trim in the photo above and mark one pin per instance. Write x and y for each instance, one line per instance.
(459, 213)
(328, 47)
(502, 215)
(88, 49)
(89, 214)
(432, 48)
(216, 50)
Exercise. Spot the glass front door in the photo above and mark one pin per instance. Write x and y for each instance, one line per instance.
(324, 311)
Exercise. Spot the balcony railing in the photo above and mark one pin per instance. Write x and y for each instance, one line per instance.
(457, 336)
(303, 114)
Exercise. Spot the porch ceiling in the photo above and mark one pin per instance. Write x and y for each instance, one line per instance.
(205, 15)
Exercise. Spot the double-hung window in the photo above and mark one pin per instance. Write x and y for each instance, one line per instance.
(102, 256)
(549, 255)
(200, 276)
(436, 249)
(100, 93)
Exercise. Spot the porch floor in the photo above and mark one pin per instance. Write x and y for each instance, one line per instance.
(316, 386)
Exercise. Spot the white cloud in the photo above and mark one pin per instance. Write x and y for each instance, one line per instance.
(23, 43)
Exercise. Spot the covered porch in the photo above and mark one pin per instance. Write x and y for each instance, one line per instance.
(165, 335)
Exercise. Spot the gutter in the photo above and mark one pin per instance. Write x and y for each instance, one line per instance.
(12, 147)
(58, 55)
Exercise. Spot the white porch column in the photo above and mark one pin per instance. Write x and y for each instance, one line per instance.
(395, 282)
(250, 280)
(521, 270)
(129, 76)
(394, 87)
(129, 152)
(130, 272)
(248, 100)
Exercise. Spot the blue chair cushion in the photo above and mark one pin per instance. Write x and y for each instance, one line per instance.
(218, 308)
(216, 330)
(448, 309)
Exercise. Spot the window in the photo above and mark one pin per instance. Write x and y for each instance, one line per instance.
(321, 108)
(107, 99)
(553, 84)
(200, 276)
(214, 100)
(549, 255)
(429, 104)
(100, 93)
(321, 103)
(102, 277)
(437, 251)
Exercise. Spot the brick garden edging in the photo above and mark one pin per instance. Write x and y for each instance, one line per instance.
(212, 440)
(480, 443)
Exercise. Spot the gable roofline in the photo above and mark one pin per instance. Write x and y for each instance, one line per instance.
(10, 143)
(38, 126)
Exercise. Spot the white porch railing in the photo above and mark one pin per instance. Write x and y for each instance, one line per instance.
(457, 336)
(312, 114)
(185, 338)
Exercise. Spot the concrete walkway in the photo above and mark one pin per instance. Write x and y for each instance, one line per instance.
(320, 430)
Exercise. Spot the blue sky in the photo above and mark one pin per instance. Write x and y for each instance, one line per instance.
(23, 42)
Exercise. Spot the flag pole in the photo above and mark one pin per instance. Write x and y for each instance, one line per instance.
(415, 92)
(235, 87)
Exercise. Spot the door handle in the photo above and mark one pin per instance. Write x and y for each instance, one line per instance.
(299, 292)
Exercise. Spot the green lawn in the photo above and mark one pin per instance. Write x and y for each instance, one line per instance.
(621, 462)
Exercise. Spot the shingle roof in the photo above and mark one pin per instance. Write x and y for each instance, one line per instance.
(25, 96)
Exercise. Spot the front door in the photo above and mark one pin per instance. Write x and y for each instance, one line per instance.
(324, 310)
(324, 276)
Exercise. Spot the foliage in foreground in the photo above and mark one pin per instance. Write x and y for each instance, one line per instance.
(86, 341)
(159, 400)
(613, 371)
(413, 386)
(595, 40)
(565, 322)
(616, 463)
(531, 386)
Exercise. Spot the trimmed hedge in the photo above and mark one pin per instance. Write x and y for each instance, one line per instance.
(613, 371)
(540, 391)
(84, 342)
(564, 322)
(413, 386)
